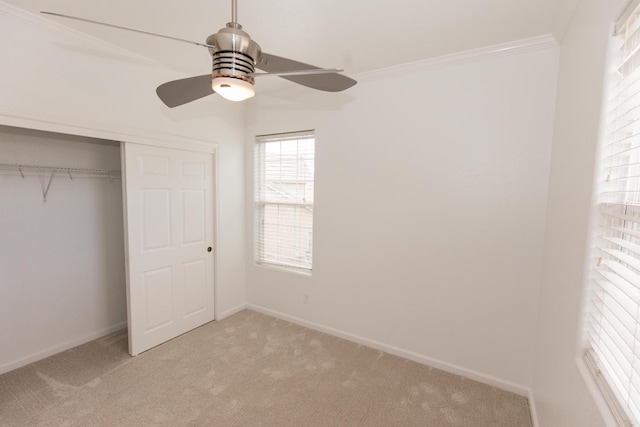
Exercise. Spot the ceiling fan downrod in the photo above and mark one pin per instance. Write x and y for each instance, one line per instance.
(234, 11)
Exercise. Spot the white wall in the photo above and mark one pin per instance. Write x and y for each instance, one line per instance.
(61, 262)
(561, 395)
(59, 80)
(430, 198)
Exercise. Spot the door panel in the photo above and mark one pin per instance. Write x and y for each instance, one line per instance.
(195, 291)
(193, 220)
(156, 219)
(169, 214)
(158, 298)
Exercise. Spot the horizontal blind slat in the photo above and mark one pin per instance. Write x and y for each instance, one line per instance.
(629, 231)
(623, 272)
(607, 212)
(625, 258)
(623, 341)
(625, 244)
(611, 363)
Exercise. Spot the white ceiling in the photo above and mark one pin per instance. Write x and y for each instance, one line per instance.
(356, 35)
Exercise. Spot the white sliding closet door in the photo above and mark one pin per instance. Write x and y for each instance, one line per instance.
(169, 231)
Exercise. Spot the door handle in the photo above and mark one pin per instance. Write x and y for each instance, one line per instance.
(209, 249)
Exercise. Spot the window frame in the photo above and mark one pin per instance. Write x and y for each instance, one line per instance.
(261, 203)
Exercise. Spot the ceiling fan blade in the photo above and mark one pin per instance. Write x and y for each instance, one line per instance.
(329, 82)
(128, 29)
(298, 72)
(180, 92)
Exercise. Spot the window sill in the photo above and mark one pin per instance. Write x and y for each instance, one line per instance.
(596, 394)
(294, 270)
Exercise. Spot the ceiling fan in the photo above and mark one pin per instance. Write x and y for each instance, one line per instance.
(235, 59)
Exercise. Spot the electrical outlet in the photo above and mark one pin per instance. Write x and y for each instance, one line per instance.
(305, 298)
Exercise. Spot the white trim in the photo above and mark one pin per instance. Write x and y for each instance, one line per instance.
(419, 358)
(231, 311)
(127, 269)
(604, 384)
(60, 348)
(532, 410)
(60, 124)
(475, 55)
(217, 315)
(306, 272)
(596, 394)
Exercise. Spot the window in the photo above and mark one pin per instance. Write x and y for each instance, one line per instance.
(283, 196)
(612, 321)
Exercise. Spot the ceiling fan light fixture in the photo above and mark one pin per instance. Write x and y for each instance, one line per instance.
(233, 88)
(233, 69)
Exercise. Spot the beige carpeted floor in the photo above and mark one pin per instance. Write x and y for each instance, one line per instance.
(247, 370)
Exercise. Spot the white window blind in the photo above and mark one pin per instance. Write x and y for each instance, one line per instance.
(283, 196)
(613, 316)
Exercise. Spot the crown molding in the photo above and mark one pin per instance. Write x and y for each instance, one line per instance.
(516, 47)
(94, 129)
(34, 21)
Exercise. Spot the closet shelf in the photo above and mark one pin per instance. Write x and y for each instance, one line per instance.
(51, 171)
(23, 169)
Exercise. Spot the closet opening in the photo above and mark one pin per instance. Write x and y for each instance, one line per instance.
(62, 249)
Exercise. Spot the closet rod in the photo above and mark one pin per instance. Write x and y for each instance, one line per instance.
(25, 168)
(53, 170)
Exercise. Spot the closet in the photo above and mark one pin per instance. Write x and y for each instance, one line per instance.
(66, 259)
(62, 262)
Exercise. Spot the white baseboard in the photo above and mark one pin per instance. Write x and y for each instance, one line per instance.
(60, 348)
(231, 312)
(419, 358)
(532, 409)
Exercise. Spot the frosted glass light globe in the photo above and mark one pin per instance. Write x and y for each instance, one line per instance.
(233, 89)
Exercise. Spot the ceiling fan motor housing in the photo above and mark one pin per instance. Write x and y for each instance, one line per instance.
(234, 54)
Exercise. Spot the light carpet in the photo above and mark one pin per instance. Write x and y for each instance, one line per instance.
(247, 370)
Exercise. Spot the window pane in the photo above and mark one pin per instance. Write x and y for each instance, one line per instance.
(288, 235)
